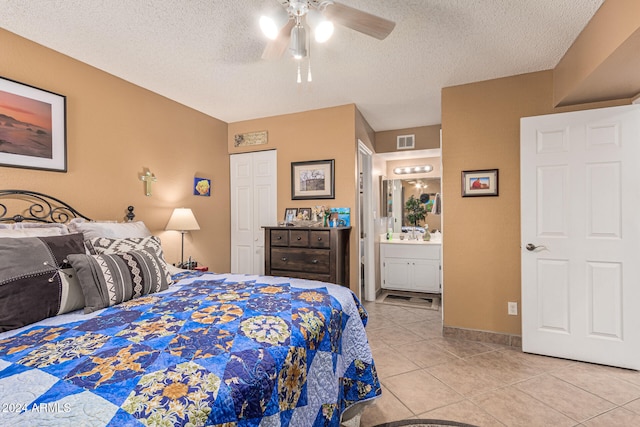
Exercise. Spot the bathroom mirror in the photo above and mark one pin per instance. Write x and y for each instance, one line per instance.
(395, 193)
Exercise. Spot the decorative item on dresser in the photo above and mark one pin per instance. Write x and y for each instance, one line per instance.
(314, 253)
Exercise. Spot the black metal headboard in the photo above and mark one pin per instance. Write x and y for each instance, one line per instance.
(32, 206)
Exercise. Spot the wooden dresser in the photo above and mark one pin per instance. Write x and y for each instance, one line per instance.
(315, 253)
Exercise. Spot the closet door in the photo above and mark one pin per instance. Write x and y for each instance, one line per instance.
(253, 205)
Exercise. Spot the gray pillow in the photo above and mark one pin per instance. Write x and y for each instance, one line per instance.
(112, 245)
(107, 280)
(36, 282)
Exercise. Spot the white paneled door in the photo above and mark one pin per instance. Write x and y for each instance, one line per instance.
(580, 212)
(253, 205)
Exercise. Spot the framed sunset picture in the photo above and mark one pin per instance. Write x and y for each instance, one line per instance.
(32, 127)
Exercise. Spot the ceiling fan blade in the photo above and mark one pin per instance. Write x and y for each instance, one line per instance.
(276, 48)
(360, 21)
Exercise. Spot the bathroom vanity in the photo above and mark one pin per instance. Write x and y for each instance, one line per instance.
(410, 265)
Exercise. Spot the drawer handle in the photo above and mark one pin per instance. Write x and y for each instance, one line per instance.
(285, 259)
(279, 237)
(314, 261)
(319, 239)
(299, 238)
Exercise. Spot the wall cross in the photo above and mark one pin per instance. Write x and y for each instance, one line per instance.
(148, 179)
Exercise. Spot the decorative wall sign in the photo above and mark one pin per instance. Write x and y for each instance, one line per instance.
(250, 138)
(201, 187)
(480, 183)
(32, 127)
(312, 180)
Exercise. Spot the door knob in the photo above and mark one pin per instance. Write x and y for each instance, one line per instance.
(531, 247)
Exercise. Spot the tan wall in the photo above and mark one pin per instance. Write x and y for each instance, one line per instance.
(313, 135)
(364, 131)
(481, 236)
(603, 61)
(114, 131)
(427, 137)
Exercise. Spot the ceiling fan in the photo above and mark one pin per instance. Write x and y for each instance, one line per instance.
(286, 25)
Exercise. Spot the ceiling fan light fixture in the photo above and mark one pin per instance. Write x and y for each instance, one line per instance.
(298, 44)
(322, 28)
(273, 22)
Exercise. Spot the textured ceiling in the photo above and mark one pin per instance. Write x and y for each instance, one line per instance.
(207, 53)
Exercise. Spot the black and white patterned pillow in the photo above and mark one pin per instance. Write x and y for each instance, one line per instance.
(107, 280)
(112, 245)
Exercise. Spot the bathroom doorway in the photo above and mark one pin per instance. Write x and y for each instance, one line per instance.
(418, 184)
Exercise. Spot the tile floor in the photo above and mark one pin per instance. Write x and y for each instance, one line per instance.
(424, 375)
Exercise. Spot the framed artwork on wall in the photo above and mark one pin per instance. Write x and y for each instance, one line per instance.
(201, 187)
(480, 183)
(313, 180)
(32, 127)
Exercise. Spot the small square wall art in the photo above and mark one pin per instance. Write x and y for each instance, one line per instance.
(201, 187)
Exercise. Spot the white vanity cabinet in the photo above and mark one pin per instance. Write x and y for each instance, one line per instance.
(410, 266)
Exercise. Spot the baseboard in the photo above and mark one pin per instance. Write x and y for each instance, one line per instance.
(482, 336)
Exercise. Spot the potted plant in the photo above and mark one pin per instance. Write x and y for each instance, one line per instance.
(416, 212)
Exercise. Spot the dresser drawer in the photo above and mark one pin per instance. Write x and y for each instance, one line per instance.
(299, 238)
(302, 275)
(319, 239)
(309, 260)
(279, 237)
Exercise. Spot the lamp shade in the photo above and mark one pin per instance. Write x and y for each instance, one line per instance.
(182, 219)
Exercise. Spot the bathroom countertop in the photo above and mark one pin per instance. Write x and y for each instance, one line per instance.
(405, 241)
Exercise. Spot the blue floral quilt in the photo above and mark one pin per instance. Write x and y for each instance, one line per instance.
(215, 350)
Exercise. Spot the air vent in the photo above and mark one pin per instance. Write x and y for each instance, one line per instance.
(406, 142)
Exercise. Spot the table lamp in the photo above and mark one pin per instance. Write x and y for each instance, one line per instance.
(182, 220)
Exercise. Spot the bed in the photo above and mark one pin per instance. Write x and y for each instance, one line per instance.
(147, 345)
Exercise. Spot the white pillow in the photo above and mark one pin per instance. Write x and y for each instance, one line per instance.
(32, 230)
(120, 230)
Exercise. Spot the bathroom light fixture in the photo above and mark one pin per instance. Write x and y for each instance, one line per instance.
(413, 169)
(182, 220)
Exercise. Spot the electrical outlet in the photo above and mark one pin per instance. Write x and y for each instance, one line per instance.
(512, 308)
